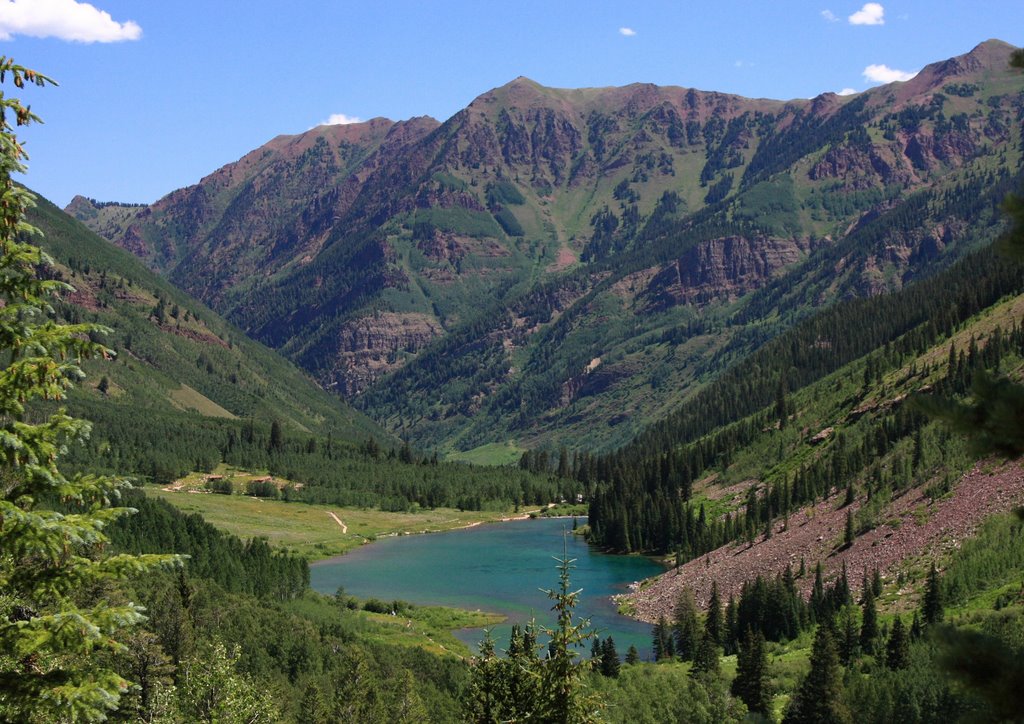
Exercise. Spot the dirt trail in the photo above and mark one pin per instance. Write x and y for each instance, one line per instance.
(913, 526)
(344, 528)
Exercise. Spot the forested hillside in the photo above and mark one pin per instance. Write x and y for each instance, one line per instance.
(173, 352)
(754, 400)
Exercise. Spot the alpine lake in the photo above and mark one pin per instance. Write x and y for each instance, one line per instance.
(497, 567)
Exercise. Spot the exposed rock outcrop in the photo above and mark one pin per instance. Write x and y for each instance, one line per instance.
(722, 269)
(372, 346)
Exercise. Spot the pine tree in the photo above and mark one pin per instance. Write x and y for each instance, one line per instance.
(632, 655)
(485, 696)
(522, 679)
(751, 682)
(686, 630)
(564, 698)
(609, 658)
(818, 601)
(916, 627)
(819, 698)
(658, 636)
(869, 624)
(706, 658)
(897, 649)
(931, 604)
(876, 583)
(313, 710)
(849, 635)
(713, 624)
(276, 437)
(52, 628)
(732, 624)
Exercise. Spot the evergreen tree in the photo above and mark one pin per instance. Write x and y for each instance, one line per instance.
(706, 658)
(869, 624)
(732, 625)
(484, 699)
(849, 635)
(660, 635)
(713, 624)
(931, 604)
(916, 627)
(632, 655)
(313, 710)
(818, 600)
(563, 695)
(876, 583)
(276, 437)
(686, 630)
(609, 658)
(751, 682)
(522, 680)
(819, 698)
(55, 622)
(897, 649)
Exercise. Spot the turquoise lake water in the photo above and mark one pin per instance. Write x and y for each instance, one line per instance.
(497, 567)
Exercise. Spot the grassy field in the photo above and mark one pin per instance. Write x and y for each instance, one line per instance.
(426, 627)
(430, 627)
(494, 453)
(310, 530)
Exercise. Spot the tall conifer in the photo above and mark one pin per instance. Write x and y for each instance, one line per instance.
(53, 626)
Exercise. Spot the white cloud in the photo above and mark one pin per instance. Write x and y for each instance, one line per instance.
(884, 74)
(830, 16)
(628, 32)
(870, 14)
(64, 19)
(847, 92)
(340, 119)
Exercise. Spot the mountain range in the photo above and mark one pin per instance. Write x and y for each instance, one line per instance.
(564, 267)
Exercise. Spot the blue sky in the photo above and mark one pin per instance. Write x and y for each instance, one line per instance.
(155, 95)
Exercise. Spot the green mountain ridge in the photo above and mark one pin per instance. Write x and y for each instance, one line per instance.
(564, 266)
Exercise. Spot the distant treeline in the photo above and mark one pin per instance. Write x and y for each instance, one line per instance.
(162, 446)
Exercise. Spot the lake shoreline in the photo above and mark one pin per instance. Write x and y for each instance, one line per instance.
(498, 569)
(475, 524)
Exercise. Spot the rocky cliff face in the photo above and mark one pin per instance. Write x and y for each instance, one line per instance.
(371, 347)
(722, 269)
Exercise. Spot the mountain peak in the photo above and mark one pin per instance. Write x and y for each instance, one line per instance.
(991, 56)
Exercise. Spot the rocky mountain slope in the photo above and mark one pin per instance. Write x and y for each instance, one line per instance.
(563, 266)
